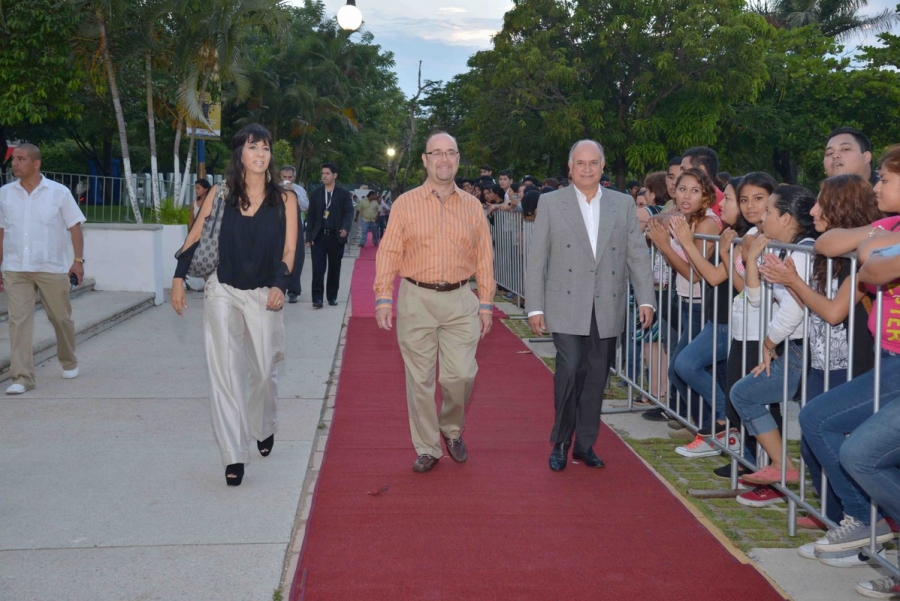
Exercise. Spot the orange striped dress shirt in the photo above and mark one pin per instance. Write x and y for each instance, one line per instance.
(433, 241)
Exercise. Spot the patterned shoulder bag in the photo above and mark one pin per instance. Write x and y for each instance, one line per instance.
(206, 257)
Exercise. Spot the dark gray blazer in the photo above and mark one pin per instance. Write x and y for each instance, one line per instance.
(564, 280)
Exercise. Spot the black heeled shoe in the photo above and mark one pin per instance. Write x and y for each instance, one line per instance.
(234, 473)
(265, 447)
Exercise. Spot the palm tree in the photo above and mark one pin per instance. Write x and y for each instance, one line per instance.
(209, 50)
(836, 18)
(102, 13)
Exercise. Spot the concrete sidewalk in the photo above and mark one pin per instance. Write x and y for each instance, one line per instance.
(112, 483)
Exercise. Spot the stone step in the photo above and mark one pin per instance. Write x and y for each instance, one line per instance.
(93, 311)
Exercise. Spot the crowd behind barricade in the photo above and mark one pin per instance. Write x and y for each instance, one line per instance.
(769, 294)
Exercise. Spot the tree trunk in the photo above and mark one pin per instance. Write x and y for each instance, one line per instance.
(151, 124)
(120, 117)
(176, 174)
(185, 184)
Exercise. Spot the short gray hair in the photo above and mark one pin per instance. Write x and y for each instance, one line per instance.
(439, 132)
(586, 140)
(33, 152)
(289, 168)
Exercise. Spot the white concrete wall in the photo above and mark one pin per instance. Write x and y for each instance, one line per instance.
(125, 257)
(172, 238)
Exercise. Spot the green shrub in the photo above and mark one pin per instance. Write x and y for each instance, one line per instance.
(170, 215)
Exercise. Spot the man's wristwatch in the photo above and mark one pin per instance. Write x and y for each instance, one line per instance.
(79, 260)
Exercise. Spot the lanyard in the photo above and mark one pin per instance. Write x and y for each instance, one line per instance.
(328, 199)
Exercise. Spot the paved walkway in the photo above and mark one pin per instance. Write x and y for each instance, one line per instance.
(112, 486)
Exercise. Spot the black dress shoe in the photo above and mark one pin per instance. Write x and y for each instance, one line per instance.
(424, 463)
(292, 298)
(332, 303)
(317, 304)
(456, 448)
(559, 457)
(589, 458)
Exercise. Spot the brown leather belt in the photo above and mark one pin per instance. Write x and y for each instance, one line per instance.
(439, 286)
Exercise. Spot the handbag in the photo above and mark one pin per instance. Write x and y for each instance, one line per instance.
(206, 257)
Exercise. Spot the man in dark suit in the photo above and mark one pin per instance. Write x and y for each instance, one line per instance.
(586, 245)
(328, 222)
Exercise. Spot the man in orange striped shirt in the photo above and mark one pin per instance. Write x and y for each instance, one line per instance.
(438, 237)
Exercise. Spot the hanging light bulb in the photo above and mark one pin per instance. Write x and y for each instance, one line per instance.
(349, 17)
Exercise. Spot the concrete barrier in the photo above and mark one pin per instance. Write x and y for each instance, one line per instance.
(126, 257)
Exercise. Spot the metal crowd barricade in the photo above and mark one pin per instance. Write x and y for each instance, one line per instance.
(637, 352)
(511, 235)
(640, 382)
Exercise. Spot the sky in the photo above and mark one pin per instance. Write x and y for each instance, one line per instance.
(443, 34)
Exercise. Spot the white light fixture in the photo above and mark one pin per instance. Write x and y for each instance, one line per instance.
(391, 152)
(349, 17)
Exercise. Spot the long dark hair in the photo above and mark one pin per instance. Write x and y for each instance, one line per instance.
(708, 192)
(234, 173)
(797, 202)
(741, 225)
(845, 201)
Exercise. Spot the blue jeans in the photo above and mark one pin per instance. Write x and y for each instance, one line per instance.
(751, 395)
(693, 366)
(871, 455)
(815, 385)
(364, 228)
(827, 419)
(694, 313)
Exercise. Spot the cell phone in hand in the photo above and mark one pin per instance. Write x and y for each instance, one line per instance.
(73, 280)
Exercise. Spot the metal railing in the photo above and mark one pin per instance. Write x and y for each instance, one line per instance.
(641, 358)
(105, 199)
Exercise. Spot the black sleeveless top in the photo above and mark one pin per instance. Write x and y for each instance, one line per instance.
(251, 248)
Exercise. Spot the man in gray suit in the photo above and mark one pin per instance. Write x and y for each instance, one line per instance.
(586, 245)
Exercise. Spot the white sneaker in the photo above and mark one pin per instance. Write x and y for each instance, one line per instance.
(16, 389)
(69, 374)
(851, 559)
(700, 447)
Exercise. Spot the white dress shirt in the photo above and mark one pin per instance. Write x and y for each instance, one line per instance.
(590, 212)
(302, 197)
(36, 227)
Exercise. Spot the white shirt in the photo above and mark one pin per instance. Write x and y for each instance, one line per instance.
(36, 227)
(590, 212)
(302, 197)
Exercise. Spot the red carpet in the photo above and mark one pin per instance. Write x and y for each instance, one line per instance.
(501, 526)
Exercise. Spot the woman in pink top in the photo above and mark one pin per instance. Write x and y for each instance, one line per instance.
(829, 418)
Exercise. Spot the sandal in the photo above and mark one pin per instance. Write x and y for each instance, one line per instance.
(265, 447)
(234, 473)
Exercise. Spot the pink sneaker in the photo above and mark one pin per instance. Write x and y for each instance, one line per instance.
(811, 523)
(770, 475)
(761, 496)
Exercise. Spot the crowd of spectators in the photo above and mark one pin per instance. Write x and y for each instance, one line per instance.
(745, 325)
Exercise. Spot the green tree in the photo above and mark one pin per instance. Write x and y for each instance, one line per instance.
(39, 74)
(835, 18)
(643, 78)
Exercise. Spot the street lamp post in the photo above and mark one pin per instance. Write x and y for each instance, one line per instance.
(349, 17)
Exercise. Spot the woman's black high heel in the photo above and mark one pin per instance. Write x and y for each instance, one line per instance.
(265, 447)
(234, 473)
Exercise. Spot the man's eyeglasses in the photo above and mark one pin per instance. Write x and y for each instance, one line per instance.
(449, 154)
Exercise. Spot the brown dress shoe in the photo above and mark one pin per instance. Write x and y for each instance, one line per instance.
(424, 463)
(456, 448)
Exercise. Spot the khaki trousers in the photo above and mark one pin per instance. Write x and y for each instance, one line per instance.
(429, 322)
(241, 336)
(21, 287)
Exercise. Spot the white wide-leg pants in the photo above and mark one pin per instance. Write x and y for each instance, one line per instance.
(241, 336)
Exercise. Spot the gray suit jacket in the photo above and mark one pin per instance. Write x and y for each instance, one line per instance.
(565, 281)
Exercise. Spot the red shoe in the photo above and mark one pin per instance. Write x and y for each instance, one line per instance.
(761, 496)
(811, 523)
(770, 475)
(892, 524)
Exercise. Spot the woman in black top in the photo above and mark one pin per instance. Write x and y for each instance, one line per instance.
(244, 296)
